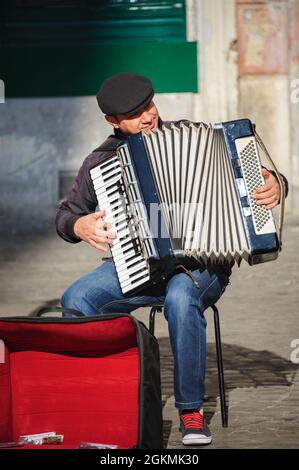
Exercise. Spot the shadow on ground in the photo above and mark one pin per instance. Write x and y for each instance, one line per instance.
(243, 367)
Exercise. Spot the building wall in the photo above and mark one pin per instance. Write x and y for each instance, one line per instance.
(217, 61)
(249, 67)
(294, 103)
(262, 28)
(43, 144)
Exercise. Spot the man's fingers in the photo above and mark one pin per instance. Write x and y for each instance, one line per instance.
(267, 200)
(98, 246)
(98, 214)
(107, 225)
(266, 173)
(264, 187)
(268, 177)
(111, 235)
(271, 206)
(102, 238)
(99, 232)
(102, 229)
(264, 194)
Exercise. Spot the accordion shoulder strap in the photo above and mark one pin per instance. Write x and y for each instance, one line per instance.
(109, 145)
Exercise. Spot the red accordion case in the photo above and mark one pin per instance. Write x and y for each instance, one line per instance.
(91, 379)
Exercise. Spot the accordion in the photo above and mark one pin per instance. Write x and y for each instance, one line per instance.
(184, 191)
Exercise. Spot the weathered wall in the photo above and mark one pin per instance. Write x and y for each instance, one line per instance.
(294, 103)
(263, 74)
(217, 60)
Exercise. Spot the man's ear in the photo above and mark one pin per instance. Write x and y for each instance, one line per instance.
(112, 120)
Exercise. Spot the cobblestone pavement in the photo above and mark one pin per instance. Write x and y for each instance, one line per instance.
(259, 321)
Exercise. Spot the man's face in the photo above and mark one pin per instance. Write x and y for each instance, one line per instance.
(145, 120)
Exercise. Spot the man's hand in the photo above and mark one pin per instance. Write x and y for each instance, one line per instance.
(269, 193)
(93, 230)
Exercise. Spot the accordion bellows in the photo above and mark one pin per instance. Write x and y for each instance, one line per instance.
(185, 191)
(197, 190)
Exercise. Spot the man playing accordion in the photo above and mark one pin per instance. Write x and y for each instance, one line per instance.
(127, 102)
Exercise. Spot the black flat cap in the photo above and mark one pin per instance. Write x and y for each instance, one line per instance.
(124, 93)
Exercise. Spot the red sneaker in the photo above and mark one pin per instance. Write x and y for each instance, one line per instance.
(193, 428)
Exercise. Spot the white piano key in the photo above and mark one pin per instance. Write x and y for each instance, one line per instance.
(101, 186)
(118, 247)
(124, 232)
(131, 281)
(119, 228)
(124, 264)
(121, 245)
(123, 254)
(126, 275)
(125, 239)
(112, 179)
(114, 205)
(127, 268)
(127, 288)
(105, 164)
(102, 169)
(128, 259)
(115, 220)
(108, 176)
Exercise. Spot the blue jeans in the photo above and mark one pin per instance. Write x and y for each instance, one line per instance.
(98, 292)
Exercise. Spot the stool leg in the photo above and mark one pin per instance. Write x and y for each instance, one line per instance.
(152, 316)
(224, 414)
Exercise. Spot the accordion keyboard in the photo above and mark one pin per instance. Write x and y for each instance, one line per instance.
(131, 268)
